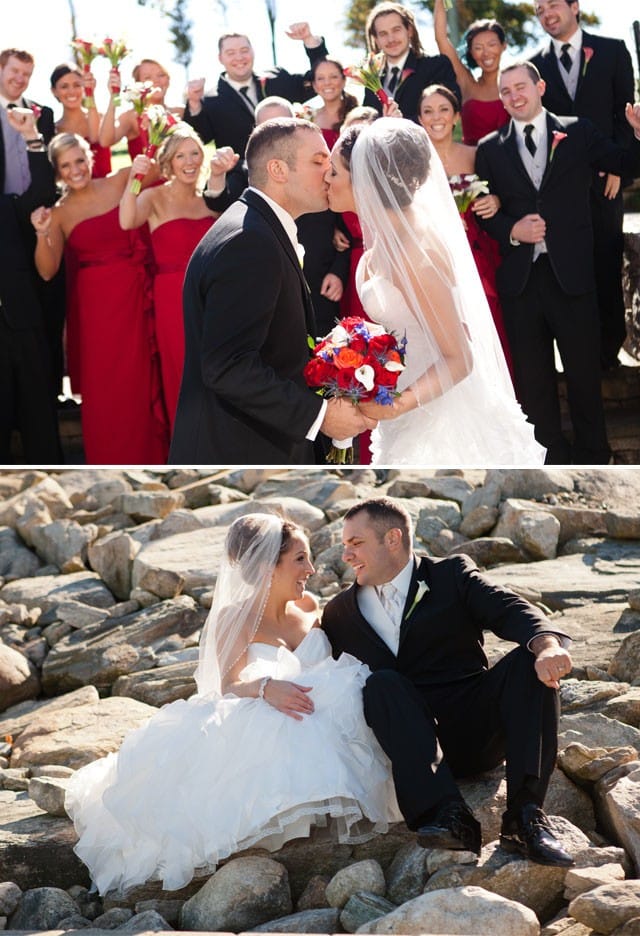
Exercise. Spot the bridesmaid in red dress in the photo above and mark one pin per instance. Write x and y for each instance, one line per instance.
(482, 110)
(439, 113)
(67, 87)
(178, 219)
(121, 423)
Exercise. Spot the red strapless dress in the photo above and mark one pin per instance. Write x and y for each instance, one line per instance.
(112, 331)
(173, 243)
(480, 118)
(101, 160)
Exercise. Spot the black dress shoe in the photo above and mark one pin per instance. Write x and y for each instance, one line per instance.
(530, 835)
(453, 826)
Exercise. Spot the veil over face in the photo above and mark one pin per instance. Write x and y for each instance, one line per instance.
(252, 548)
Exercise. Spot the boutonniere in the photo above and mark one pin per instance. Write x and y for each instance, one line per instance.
(423, 588)
(404, 75)
(558, 137)
(588, 55)
(263, 83)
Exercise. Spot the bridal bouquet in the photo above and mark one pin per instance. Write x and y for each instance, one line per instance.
(161, 124)
(86, 52)
(115, 51)
(466, 188)
(358, 361)
(368, 74)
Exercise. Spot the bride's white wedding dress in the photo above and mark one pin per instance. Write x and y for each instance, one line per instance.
(475, 422)
(210, 776)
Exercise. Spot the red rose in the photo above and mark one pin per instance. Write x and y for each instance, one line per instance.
(345, 379)
(358, 343)
(318, 372)
(381, 344)
(384, 378)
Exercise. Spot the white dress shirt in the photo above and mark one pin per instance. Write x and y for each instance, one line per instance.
(570, 77)
(374, 612)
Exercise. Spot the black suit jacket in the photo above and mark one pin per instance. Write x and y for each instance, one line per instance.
(562, 200)
(227, 120)
(247, 314)
(424, 70)
(441, 638)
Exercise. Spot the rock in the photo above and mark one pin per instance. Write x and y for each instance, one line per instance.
(623, 524)
(51, 771)
(488, 551)
(162, 582)
(564, 798)
(407, 873)
(148, 921)
(42, 909)
(625, 707)
(362, 876)
(314, 896)
(10, 895)
(529, 526)
(78, 615)
(479, 521)
(48, 793)
(14, 778)
(47, 591)
(148, 505)
(158, 686)
(625, 664)
(16, 719)
(193, 556)
(242, 894)
(595, 730)
(78, 735)
(46, 498)
(63, 543)
(18, 678)
(16, 560)
(113, 918)
(112, 557)
(362, 908)
(169, 910)
(580, 880)
(617, 796)
(458, 910)
(608, 906)
(444, 510)
(588, 765)
(578, 694)
(634, 599)
(325, 920)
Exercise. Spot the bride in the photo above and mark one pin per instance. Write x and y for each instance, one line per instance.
(273, 742)
(418, 277)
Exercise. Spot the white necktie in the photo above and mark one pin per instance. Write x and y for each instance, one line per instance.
(392, 602)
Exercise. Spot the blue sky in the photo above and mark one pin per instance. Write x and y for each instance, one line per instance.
(146, 31)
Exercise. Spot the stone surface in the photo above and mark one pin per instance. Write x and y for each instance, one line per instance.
(458, 910)
(608, 906)
(580, 880)
(588, 765)
(42, 908)
(362, 876)
(48, 793)
(242, 894)
(326, 920)
(19, 678)
(618, 799)
(362, 908)
(625, 664)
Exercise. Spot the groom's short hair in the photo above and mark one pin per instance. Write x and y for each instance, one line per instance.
(385, 514)
(274, 139)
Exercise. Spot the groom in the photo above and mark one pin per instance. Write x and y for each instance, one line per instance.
(247, 315)
(436, 707)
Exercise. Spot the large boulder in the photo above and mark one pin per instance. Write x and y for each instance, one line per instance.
(16, 560)
(42, 908)
(607, 907)
(47, 591)
(618, 800)
(18, 677)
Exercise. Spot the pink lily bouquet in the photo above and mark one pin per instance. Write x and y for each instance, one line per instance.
(368, 74)
(161, 125)
(115, 50)
(466, 188)
(86, 52)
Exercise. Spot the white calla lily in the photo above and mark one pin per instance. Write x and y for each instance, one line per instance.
(365, 376)
(339, 337)
(394, 366)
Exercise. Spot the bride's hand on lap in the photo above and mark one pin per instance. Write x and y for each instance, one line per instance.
(289, 698)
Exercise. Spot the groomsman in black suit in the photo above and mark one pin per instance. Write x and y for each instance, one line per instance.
(540, 166)
(391, 29)
(27, 387)
(248, 313)
(437, 708)
(227, 117)
(591, 76)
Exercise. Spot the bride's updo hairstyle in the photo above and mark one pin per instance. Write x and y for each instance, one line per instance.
(244, 535)
(399, 153)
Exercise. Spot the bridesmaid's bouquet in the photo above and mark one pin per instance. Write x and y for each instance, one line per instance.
(115, 50)
(369, 74)
(466, 188)
(86, 52)
(160, 125)
(359, 361)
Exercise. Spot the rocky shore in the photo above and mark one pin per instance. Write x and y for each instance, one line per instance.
(106, 577)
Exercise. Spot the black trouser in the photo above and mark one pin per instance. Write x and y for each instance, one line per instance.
(433, 734)
(540, 314)
(608, 241)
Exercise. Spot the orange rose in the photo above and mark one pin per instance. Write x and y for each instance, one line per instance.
(346, 357)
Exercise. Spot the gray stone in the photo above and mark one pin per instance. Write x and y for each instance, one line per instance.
(149, 505)
(625, 664)
(48, 793)
(580, 880)
(458, 910)
(45, 497)
(361, 876)
(42, 908)
(10, 895)
(490, 550)
(148, 921)
(16, 719)
(18, 678)
(580, 694)
(165, 583)
(362, 908)
(538, 533)
(75, 921)
(628, 622)
(407, 874)
(168, 909)
(625, 707)
(314, 896)
(445, 510)
(618, 799)
(606, 907)
(323, 920)
(113, 918)
(193, 556)
(595, 731)
(623, 524)
(531, 483)
(112, 557)
(64, 543)
(634, 599)
(479, 521)
(588, 765)
(242, 894)
(158, 686)
(77, 614)
(16, 560)
(47, 591)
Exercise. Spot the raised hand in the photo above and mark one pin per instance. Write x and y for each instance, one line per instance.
(302, 32)
(222, 161)
(141, 165)
(23, 120)
(289, 698)
(41, 220)
(195, 93)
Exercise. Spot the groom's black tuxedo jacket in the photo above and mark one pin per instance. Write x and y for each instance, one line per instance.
(247, 315)
(441, 637)
(562, 199)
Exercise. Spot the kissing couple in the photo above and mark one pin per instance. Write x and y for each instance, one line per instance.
(361, 716)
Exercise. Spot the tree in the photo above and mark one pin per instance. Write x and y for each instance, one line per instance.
(271, 13)
(518, 19)
(179, 28)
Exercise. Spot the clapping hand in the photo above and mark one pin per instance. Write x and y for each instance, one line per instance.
(222, 161)
(41, 220)
(23, 120)
(289, 698)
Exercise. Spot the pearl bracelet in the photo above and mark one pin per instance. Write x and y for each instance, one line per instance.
(263, 686)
